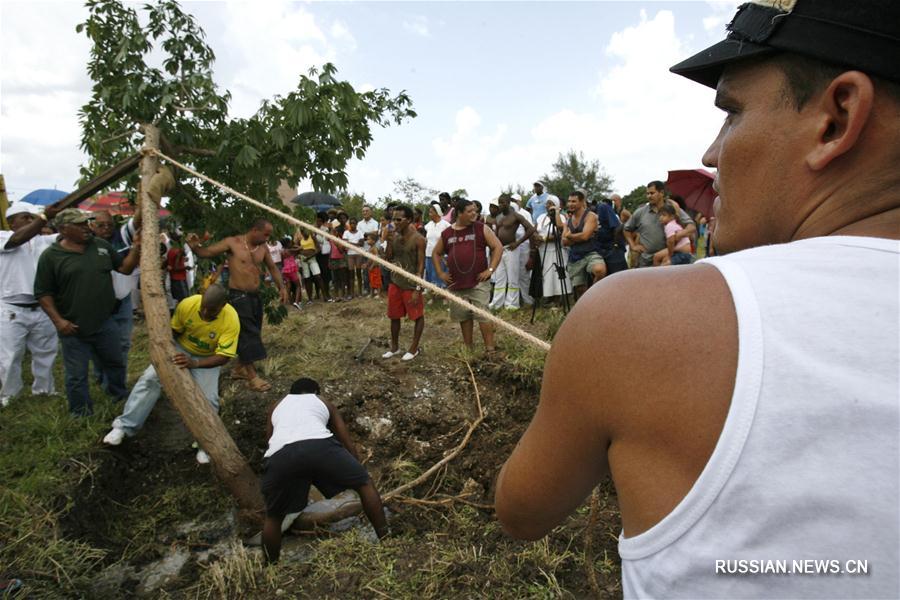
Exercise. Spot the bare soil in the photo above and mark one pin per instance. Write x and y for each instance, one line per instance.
(148, 498)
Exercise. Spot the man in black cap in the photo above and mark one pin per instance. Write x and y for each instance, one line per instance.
(786, 463)
(74, 287)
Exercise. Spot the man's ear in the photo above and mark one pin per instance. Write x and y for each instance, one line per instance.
(843, 110)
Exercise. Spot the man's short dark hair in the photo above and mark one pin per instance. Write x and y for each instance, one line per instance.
(805, 77)
(578, 194)
(322, 215)
(444, 196)
(305, 385)
(659, 186)
(260, 223)
(406, 209)
(668, 209)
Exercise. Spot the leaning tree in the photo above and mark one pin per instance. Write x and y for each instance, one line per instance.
(154, 88)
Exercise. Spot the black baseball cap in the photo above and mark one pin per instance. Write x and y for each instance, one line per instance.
(858, 34)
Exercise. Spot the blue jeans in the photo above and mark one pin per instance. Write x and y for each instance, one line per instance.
(146, 392)
(124, 318)
(105, 346)
(431, 274)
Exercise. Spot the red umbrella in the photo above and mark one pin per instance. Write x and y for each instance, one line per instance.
(114, 202)
(696, 187)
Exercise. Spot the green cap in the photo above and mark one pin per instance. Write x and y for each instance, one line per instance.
(71, 216)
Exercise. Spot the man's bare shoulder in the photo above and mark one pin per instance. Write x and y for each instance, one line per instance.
(636, 331)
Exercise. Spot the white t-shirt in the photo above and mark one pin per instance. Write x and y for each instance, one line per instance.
(370, 226)
(275, 251)
(354, 237)
(324, 242)
(18, 266)
(298, 417)
(433, 234)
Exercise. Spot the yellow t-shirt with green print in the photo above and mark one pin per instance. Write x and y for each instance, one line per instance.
(205, 338)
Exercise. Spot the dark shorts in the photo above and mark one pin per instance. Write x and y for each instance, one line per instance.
(249, 308)
(288, 473)
(681, 258)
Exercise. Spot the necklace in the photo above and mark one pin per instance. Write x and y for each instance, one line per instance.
(452, 256)
(255, 248)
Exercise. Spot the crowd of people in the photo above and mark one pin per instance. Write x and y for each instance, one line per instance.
(70, 278)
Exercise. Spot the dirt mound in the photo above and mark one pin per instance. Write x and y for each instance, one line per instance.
(148, 498)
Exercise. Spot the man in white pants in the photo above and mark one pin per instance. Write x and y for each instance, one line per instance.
(524, 253)
(22, 322)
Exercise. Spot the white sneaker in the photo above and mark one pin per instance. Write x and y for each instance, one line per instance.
(114, 437)
(390, 354)
(4, 402)
(410, 355)
(202, 457)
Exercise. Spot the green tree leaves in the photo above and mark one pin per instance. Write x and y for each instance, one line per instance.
(573, 171)
(311, 132)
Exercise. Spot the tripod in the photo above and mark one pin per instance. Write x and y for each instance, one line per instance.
(560, 269)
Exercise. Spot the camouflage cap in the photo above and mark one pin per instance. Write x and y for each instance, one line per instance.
(71, 216)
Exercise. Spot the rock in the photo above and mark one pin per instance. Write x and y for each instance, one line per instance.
(417, 449)
(162, 572)
(378, 428)
(472, 490)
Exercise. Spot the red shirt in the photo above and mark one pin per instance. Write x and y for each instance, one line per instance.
(466, 255)
(175, 263)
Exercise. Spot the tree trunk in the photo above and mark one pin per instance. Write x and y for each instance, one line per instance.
(228, 463)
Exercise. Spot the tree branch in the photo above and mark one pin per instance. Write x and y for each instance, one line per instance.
(118, 136)
(196, 151)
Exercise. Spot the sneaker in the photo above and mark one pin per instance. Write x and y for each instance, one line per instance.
(409, 356)
(4, 402)
(390, 354)
(298, 306)
(114, 437)
(202, 457)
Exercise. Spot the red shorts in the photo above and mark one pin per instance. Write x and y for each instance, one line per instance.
(400, 304)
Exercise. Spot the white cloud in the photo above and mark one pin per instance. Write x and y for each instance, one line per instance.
(722, 12)
(268, 49)
(417, 25)
(43, 86)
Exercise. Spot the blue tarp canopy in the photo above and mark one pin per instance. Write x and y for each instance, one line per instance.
(43, 197)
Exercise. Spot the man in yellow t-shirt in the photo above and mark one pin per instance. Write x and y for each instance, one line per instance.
(206, 331)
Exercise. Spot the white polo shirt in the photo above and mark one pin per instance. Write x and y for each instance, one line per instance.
(18, 266)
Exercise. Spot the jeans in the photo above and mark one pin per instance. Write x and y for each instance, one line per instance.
(124, 318)
(105, 346)
(146, 392)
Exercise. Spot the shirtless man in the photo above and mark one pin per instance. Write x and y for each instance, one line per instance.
(405, 248)
(791, 450)
(246, 254)
(506, 222)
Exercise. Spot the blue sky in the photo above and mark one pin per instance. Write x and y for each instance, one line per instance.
(501, 88)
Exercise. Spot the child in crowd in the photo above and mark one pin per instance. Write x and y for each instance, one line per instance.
(307, 247)
(354, 258)
(290, 272)
(309, 444)
(338, 264)
(675, 253)
(374, 270)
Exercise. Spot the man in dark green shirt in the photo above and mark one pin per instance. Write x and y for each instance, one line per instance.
(74, 287)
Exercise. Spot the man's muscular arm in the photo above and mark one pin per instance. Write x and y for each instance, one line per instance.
(214, 249)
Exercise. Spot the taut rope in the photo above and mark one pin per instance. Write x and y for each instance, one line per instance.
(539, 343)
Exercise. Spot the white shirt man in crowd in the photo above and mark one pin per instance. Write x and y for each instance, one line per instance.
(23, 325)
(792, 451)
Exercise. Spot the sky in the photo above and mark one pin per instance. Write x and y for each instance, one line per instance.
(501, 88)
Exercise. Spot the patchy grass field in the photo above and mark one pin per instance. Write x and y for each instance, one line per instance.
(82, 521)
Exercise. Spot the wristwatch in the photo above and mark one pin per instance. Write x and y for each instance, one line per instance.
(491, 269)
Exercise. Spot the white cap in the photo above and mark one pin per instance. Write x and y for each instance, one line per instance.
(19, 208)
(516, 197)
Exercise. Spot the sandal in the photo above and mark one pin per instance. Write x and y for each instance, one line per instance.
(239, 372)
(258, 384)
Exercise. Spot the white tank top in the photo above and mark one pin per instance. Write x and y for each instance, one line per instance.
(298, 417)
(807, 466)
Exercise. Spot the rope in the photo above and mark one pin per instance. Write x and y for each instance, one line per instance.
(524, 335)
